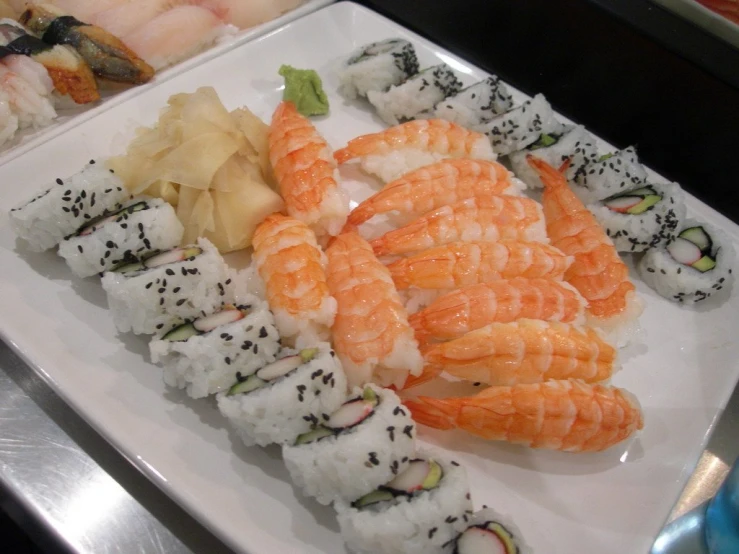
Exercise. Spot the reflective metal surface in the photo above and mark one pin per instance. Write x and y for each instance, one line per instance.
(59, 476)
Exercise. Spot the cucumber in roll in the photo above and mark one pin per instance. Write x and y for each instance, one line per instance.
(364, 444)
(691, 268)
(489, 533)
(642, 217)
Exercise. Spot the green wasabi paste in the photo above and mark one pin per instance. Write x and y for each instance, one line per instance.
(303, 88)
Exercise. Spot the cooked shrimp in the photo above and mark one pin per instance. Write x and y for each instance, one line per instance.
(371, 332)
(503, 301)
(597, 272)
(485, 218)
(306, 172)
(397, 150)
(525, 351)
(460, 264)
(434, 186)
(559, 415)
(31, 108)
(292, 266)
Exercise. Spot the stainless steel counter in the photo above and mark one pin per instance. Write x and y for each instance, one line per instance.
(64, 483)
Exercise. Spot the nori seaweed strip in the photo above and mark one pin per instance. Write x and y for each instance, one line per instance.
(28, 45)
(5, 51)
(58, 31)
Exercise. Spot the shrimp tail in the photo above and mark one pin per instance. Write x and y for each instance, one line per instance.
(429, 373)
(343, 155)
(438, 413)
(551, 178)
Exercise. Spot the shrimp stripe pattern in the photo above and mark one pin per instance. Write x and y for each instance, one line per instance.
(460, 264)
(435, 136)
(433, 186)
(461, 311)
(371, 332)
(487, 217)
(291, 265)
(306, 172)
(572, 416)
(597, 272)
(525, 351)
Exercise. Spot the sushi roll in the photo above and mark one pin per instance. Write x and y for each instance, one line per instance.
(415, 95)
(574, 144)
(142, 227)
(609, 175)
(418, 512)
(642, 217)
(362, 445)
(172, 287)
(377, 66)
(474, 105)
(286, 398)
(207, 354)
(518, 128)
(58, 212)
(489, 532)
(695, 265)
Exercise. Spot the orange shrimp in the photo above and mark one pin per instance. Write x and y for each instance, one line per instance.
(486, 218)
(461, 311)
(371, 334)
(559, 415)
(433, 186)
(291, 264)
(459, 264)
(414, 144)
(306, 172)
(525, 351)
(597, 272)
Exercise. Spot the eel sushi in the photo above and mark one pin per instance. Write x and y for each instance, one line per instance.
(693, 266)
(207, 354)
(142, 227)
(160, 291)
(286, 398)
(106, 55)
(68, 71)
(68, 204)
(418, 512)
(368, 441)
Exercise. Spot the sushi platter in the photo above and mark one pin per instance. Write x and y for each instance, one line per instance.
(69, 114)
(682, 362)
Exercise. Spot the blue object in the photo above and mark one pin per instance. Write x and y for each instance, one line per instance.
(722, 516)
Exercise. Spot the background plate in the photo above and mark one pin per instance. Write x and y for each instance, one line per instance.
(616, 501)
(70, 117)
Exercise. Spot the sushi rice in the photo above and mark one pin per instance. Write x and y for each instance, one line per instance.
(354, 461)
(421, 523)
(150, 300)
(609, 175)
(143, 226)
(474, 105)
(208, 363)
(377, 67)
(289, 405)
(67, 205)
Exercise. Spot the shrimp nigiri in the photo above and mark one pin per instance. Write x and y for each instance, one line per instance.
(434, 186)
(597, 271)
(485, 218)
(504, 301)
(397, 150)
(459, 264)
(371, 332)
(306, 172)
(525, 351)
(292, 266)
(31, 108)
(559, 415)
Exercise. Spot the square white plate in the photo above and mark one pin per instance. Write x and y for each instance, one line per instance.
(612, 502)
(69, 117)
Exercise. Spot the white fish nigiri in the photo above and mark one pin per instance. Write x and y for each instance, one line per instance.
(248, 13)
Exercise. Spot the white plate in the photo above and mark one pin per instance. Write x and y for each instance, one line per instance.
(609, 502)
(71, 116)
